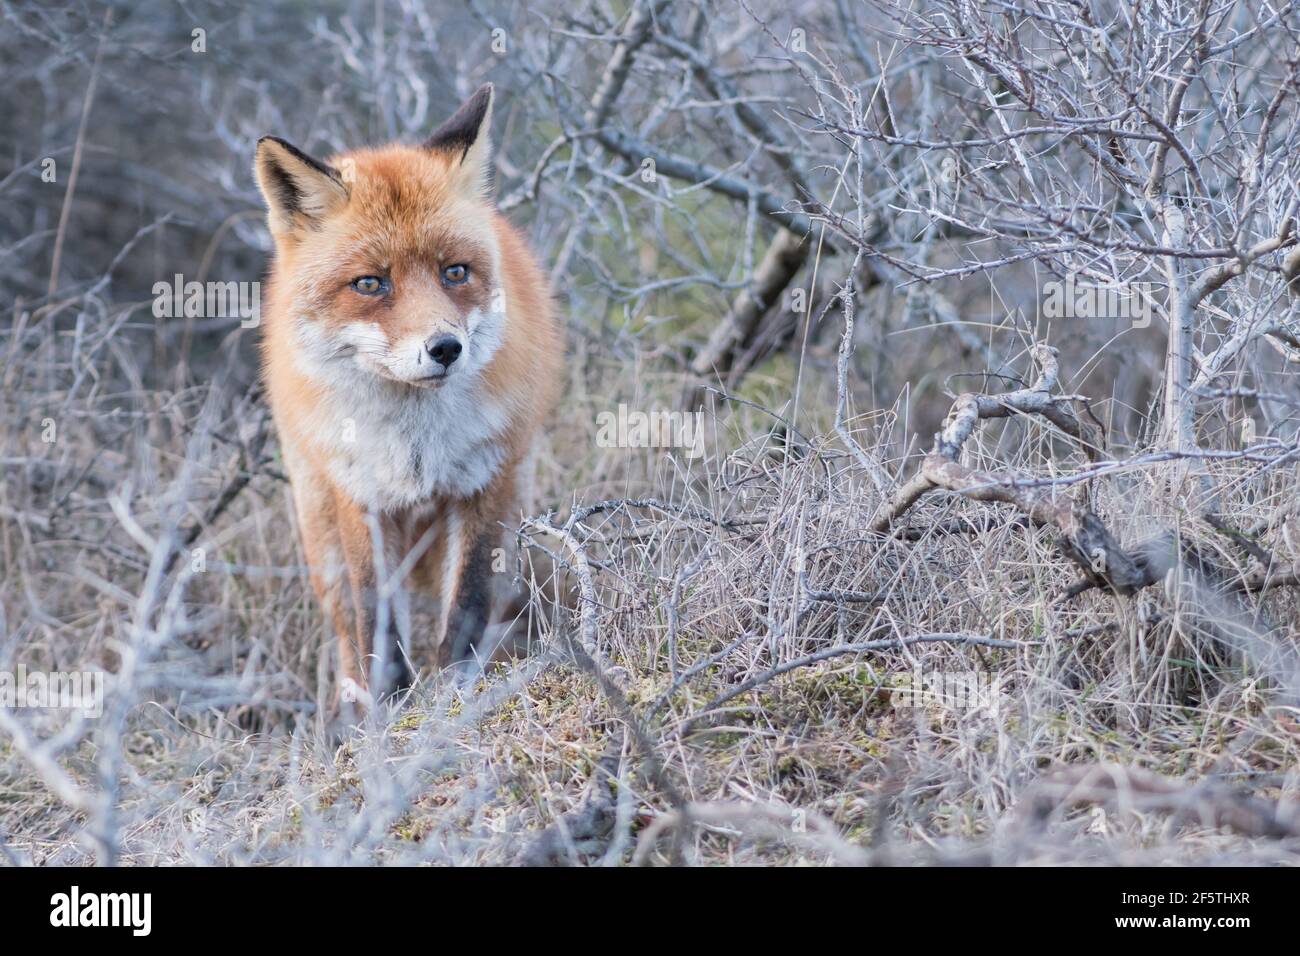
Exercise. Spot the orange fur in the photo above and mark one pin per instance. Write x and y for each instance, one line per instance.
(377, 451)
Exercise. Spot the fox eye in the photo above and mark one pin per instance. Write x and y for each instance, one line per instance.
(455, 275)
(370, 285)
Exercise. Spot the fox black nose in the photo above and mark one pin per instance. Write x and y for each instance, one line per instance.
(443, 349)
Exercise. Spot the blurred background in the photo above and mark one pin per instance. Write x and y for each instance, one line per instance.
(158, 106)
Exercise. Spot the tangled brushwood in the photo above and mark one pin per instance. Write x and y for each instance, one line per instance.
(745, 675)
(985, 546)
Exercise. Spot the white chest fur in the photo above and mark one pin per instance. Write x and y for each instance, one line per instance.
(394, 448)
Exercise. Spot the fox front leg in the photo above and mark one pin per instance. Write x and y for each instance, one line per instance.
(370, 648)
(470, 603)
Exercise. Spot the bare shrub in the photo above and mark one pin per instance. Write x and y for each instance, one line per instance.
(972, 567)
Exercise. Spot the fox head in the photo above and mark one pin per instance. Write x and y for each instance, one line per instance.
(389, 257)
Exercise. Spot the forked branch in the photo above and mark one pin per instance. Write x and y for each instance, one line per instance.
(1084, 538)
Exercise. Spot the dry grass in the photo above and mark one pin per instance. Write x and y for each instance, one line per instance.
(702, 696)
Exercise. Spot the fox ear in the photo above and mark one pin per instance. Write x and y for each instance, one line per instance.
(467, 139)
(298, 189)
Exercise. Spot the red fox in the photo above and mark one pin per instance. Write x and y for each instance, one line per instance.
(411, 351)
